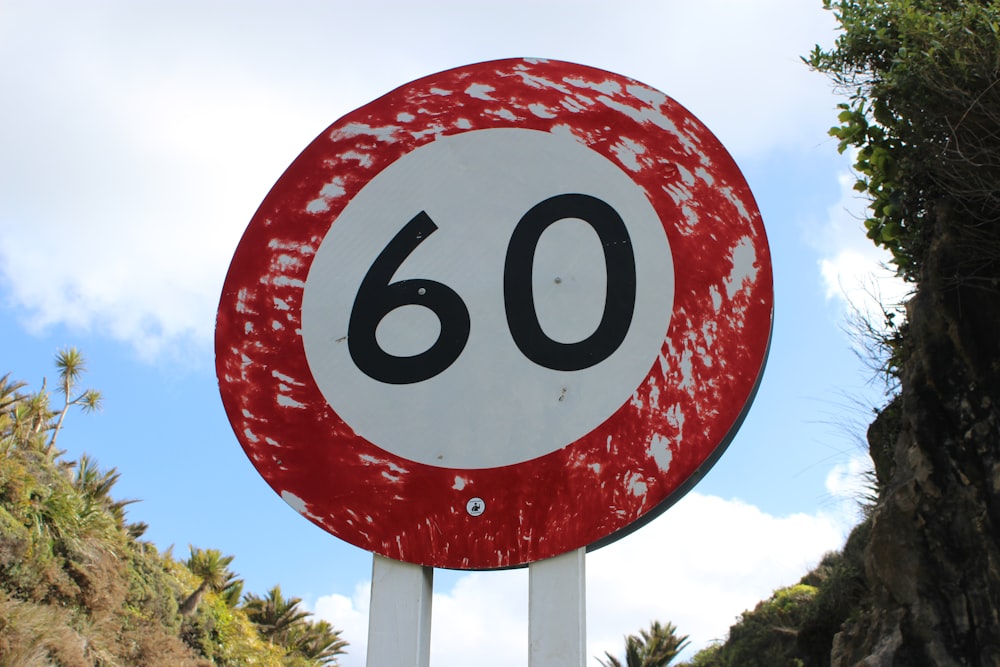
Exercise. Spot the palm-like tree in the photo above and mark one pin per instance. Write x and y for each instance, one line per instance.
(10, 398)
(23, 417)
(656, 647)
(71, 367)
(93, 482)
(213, 569)
(281, 621)
(232, 593)
(274, 615)
(318, 641)
(10, 395)
(95, 486)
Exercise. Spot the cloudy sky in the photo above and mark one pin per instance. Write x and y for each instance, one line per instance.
(138, 139)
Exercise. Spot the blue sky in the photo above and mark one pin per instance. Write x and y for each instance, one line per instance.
(138, 140)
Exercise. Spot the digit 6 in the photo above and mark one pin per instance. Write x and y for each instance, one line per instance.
(377, 297)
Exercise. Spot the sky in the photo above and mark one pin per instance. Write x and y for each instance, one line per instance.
(138, 139)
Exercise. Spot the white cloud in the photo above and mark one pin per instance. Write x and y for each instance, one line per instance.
(126, 225)
(351, 614)
(847, 479)
(698, 566)
(848, 483)
(139, 141)
(481, 620)
(737, 65)
(857, 273)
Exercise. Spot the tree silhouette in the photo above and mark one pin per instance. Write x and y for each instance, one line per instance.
(281, 621)
(656, 647)
(213, 569)
(71, 367)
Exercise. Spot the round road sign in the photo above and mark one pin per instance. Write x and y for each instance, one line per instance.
(501, 312)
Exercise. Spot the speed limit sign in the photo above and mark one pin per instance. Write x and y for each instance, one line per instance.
(502, 312)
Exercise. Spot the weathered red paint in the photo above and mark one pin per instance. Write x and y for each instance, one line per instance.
(590, 492)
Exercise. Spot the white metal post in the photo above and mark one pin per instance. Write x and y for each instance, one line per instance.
(557, 611)
(399, 619)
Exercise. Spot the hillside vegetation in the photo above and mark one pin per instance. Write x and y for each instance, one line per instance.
(918, 583)
(79, 587)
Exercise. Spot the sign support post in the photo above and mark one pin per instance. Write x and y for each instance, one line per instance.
(557, 611)
(399, 618)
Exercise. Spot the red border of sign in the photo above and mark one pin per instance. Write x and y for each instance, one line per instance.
(588, 493)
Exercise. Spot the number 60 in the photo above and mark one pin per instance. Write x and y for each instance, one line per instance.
(377, 297)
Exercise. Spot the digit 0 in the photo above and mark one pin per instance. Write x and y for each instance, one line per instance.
(519, 298)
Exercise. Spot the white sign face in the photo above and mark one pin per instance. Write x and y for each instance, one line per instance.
(510, 259)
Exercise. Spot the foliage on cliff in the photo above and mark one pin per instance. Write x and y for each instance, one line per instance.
(797, 625)
(923, 79)
(918, 582)
(79, 587)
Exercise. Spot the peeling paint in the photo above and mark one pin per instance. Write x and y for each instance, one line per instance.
(288, 402)
(364, 160)
(659, 450)
(433, 131)
(285, 378)
(318, 205)
(677, 193)
(480, 91)
(506, 114)
(284, 281)
(744, 266)
(384, 133)
(650, 96)
(294, 502)
(628, 152)
(572, 105)
(607, 86)
(716, 297)
(705, 175)
(541, 111)
(636, 486)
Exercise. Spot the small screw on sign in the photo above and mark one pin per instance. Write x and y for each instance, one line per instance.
(475, 507)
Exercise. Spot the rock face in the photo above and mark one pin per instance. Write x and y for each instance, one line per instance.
(933, 562)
